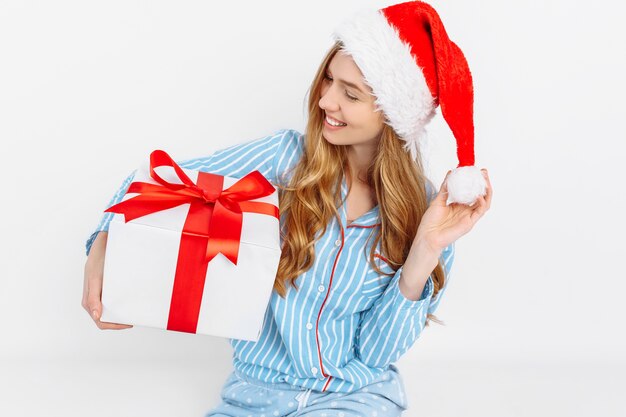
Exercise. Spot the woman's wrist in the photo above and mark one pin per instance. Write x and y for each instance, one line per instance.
(420, 263)
(426, 251)
(98, 248)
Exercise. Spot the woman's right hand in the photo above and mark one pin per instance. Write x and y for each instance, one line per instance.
(92, 286)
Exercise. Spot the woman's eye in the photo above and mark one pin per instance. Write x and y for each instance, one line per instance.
(328, 77)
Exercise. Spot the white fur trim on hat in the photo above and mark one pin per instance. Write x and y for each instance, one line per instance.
(465, 185)
(391, 71)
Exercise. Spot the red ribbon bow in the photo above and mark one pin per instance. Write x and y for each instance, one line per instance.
(224, 209)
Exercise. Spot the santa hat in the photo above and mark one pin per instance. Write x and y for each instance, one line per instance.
(412, 67)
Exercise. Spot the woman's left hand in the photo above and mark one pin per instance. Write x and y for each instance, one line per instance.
(442, 224)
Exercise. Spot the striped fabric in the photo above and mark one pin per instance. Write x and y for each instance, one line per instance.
(346, 323)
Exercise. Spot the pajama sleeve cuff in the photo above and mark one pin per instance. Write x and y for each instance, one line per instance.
(403, 303)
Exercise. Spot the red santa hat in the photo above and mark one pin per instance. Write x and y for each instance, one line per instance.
(412, 66)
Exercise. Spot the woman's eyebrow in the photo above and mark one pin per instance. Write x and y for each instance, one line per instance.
(349, 84)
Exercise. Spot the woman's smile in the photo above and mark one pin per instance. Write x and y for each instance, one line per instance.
(333, 123)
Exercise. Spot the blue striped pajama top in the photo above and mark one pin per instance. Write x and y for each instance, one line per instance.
(346, 323)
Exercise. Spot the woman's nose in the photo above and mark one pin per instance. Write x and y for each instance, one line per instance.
(327, 101)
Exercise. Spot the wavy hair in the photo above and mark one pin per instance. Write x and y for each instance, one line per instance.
(313, 194)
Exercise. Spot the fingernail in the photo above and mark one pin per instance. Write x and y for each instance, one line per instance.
(94, 313)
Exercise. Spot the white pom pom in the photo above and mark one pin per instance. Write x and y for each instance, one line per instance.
(465, 185)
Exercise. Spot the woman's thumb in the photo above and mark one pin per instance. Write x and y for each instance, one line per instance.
(444, 187)
(95, 308)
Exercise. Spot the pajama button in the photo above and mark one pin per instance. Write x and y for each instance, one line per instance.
(309, 326)
(314, 370)
(338, 242)
(320, 288)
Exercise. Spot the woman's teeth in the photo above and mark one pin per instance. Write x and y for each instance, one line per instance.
(334, 123)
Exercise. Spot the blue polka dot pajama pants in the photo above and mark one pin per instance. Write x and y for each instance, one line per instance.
(242, 397)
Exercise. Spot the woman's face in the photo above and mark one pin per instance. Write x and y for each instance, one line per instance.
(353, 105)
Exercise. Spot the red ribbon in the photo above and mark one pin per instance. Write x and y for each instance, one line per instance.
(213, 225)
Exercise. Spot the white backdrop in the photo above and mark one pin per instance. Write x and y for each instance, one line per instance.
(534, 315)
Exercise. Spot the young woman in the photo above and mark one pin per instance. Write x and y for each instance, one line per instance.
(367, 242)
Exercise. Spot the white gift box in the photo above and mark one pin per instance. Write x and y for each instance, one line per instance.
(141, 260)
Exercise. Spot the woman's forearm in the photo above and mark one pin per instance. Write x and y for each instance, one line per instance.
(420, 263)
(98, 249)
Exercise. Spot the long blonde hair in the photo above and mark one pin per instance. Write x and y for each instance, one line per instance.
(313, 195)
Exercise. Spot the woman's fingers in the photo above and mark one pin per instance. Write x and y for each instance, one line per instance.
(103, 325)
(483, 202)
(92, 286)
(94, 303)
(489, 188)
(87, 303)
(444, 183)
(479, 209)
(442, 195)
(92, 292)
(97, 306)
